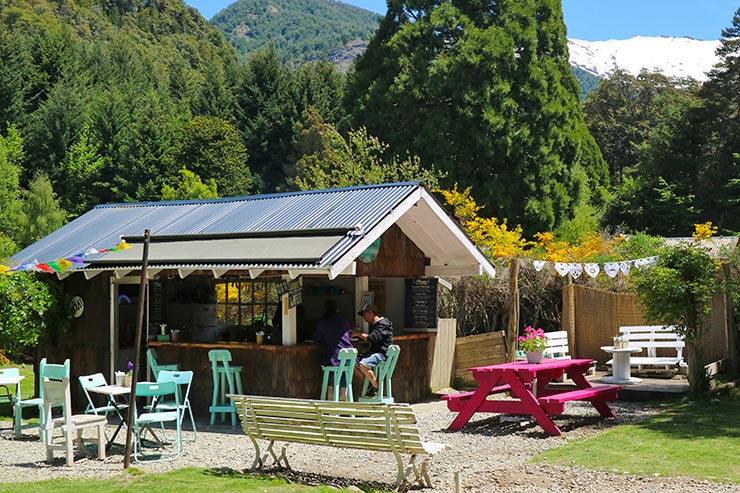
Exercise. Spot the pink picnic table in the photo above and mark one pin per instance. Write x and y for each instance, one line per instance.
(527, 385)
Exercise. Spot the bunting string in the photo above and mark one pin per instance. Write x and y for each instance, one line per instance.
(61, 265)
(611, 269)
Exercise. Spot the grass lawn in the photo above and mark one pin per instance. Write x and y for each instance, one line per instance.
(189, 479)
(700, 439)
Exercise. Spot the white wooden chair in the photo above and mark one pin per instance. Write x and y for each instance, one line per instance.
(55, 385)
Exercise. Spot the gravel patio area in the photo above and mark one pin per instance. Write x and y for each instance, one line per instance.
(489, 454)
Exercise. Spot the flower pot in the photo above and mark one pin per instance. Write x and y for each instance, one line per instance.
(534, 357)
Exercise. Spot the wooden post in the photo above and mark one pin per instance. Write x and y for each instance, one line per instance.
(730, 321)
(137, 351)
(512, 331)
(569, 315)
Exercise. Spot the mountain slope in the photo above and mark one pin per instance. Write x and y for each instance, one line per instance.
(674, 57)
(300, 30)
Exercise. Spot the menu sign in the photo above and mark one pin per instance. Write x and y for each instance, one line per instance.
(421, 303)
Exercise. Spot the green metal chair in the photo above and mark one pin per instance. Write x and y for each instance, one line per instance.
(346, 368)
(183, 379)
(158, 392)
(384, 374)
(37, 402)
(226, 379)
(151, 358)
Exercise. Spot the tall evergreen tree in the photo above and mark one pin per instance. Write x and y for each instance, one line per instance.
(719, 192)
(41, 212)
(11, 157)
(267, 111)
(485, 90)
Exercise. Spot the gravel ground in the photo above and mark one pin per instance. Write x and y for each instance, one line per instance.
(489, 454)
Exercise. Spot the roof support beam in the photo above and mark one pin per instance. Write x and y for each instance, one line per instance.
(219, 272)
(183, 273)
(119, 273)
(150, 273)
(255, 273)
(89, 274)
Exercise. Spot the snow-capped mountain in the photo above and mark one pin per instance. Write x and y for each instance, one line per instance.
(674, 57)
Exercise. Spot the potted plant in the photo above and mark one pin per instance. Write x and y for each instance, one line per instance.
(129, 374)
(533, 342)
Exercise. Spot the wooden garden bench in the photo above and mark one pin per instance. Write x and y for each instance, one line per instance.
(361, 425)
(651, 337)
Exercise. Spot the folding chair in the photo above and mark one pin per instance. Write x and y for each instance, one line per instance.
(55, 385)
(37, 402)
(151, 358)
(98, 380)
(183, 379)
(160, 391)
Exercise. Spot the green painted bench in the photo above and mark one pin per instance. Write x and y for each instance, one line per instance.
(361, 425)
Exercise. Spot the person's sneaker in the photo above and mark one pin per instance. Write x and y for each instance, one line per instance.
(371, 392)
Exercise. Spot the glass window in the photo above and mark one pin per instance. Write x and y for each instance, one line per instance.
(245, 301)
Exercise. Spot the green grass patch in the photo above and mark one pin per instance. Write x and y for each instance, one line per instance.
(699, 439)
(187, 479)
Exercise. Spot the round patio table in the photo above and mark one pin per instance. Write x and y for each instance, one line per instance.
(621, 365)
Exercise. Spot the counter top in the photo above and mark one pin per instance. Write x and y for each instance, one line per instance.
(267, 347)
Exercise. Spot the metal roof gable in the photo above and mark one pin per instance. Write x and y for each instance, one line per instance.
(361, 213)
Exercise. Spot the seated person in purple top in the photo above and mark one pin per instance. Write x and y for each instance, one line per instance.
(380, 337)
(332, 332)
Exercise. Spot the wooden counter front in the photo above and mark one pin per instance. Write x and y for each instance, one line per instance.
(292, 371)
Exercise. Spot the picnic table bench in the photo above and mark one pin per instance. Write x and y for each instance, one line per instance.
(651, 337)
(529, 392)
(374, 426)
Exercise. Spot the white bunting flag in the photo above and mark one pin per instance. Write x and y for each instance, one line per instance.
(575, 270)
(592, 270)
(611, 269)
(562, 268)
(538, 264)
(625, 266)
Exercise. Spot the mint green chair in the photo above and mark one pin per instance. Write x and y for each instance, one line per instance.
(226, 379)
(384, 374)
(346, 368)
(151, 358)
(183, 379)
(158, 392)
(56, 389)
(38, 402)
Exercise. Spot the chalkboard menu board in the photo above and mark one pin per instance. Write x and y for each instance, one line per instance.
(421, 303)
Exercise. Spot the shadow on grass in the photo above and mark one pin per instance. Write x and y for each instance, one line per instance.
(700, 419)
(305, 478)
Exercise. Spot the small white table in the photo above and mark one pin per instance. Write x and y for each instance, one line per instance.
(621, 365)
(8, 381)
(114, 391)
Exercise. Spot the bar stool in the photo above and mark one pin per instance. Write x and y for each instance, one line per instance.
(346, 368)
(224, 375)
(384, 374)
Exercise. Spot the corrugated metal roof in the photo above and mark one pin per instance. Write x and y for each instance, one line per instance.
(355, 209)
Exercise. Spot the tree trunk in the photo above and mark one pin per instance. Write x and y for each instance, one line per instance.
(696, 369)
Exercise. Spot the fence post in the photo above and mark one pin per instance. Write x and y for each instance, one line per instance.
(513, 328)
(730, 320)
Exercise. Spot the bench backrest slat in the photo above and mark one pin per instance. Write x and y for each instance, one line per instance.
(372, 425)
(651, 337)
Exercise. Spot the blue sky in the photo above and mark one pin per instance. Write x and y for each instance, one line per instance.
(596, 20)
